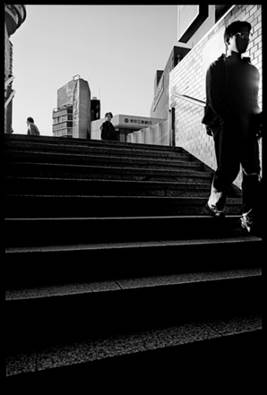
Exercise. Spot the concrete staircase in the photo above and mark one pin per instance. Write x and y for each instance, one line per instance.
(111, 262)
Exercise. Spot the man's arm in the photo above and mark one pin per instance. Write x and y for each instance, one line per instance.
(255, 76)
(215, 91)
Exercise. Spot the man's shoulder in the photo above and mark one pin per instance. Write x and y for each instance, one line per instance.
(34, 129)
(217, 62)
(33, 126)
(247, 61)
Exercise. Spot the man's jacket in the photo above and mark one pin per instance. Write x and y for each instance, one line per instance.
(231, 89)
(215, 109)
(108, 131)
(33, 130)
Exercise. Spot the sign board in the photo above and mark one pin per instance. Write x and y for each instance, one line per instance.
(133, 121)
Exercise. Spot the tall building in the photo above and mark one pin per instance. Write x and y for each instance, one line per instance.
(15, 15)
(95, 109)
(72, 117)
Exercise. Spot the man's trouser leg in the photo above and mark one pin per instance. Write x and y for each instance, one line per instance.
(228, 164)
(250, 191)
(217, 198)
(251, 176)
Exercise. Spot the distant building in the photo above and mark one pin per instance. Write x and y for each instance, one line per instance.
(124, 124)
(15, 15)
(72, 117)
(95, 109)
(160, 105)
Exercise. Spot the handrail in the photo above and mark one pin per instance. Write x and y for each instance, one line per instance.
(9, 92)
(8, 81)
(10, 97)
(190, 98)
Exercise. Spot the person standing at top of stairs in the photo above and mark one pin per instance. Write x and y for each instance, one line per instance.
(232, 116)
(32, 129)
(107, 128)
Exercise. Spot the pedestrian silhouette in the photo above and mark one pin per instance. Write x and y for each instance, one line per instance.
(232, 116)
(107, 129)
(32, 129)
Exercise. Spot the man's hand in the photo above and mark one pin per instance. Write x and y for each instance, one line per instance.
(258, 124)
(209, 131)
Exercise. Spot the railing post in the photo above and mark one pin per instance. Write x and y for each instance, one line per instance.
(173, 126)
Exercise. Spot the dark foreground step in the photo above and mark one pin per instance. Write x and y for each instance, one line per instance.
(20, 232)
(60, 185)
(85, 262)
(230, 345)
(86, 206)
(71, 312)
(42, 169)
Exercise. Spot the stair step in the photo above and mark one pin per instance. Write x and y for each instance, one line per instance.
(81, 205)
(121, 285)
(145, 348)
(104, 261)
(101, 159)
(73, 311)
(11, 140)
(45, 185)
(121, 150)
(65, 230)
(97, 171)
(150, 244)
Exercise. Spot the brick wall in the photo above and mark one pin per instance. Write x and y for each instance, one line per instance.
(188, 78)
(8, 73)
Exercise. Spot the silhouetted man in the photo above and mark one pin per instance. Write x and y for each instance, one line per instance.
(107, 129)
(32, 129)
(233, 118)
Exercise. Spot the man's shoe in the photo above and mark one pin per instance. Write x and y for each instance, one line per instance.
(247, 221)
(214, 211)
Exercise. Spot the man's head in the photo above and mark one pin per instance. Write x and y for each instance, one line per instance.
(237, 35)
(30, 120)
(108, 116)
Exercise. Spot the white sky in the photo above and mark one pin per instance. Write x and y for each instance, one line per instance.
(116, 48)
